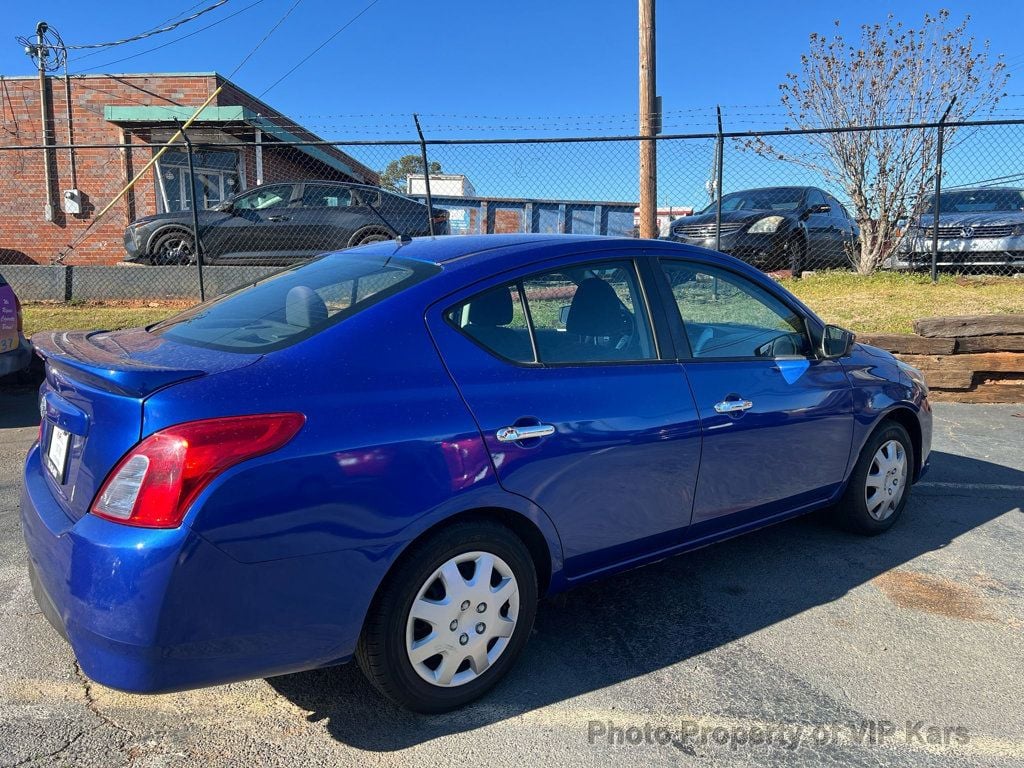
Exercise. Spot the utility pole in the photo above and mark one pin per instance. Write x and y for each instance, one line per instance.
(648, 147)
(44, 122)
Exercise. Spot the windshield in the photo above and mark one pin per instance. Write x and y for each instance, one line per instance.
(774, 199)
(978, 201)
(293, 304)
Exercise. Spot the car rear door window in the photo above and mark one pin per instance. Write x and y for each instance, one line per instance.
(727, 316)
(496, 320)
(326, 196)
(587, 313)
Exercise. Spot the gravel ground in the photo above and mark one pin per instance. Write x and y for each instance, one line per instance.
(798, 644)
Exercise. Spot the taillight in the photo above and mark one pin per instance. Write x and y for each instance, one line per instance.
(154, 484)
(17, 312)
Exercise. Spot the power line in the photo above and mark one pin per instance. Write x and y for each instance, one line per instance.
(160, 24)
(150, 33)
(175, 40)
(316, 50)
(266, 37)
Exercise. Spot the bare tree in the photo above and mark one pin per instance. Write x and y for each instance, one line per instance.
(893, 75)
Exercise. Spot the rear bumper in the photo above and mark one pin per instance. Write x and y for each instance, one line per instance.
(153, 611)
(17, 359)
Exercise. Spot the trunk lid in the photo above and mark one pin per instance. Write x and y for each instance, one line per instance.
(95, 391)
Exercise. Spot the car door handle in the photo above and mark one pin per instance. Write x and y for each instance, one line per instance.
(732, 406)
(514, 434)
(278, 218)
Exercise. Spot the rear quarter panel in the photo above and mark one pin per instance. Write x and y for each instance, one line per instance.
(388, 450)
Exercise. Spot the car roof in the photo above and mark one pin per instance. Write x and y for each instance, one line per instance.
(981, 189)
(769, 189)
(448, 248)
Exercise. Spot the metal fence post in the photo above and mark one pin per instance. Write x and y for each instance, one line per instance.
(938, 192)
(197, 243)
(719, 154)
(426, 174)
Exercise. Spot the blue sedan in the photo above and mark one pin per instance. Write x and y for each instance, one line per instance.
(390, 454)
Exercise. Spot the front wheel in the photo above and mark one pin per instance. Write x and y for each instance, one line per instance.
(796, 250)
(879, 487)
(173, 248)
(451, 619)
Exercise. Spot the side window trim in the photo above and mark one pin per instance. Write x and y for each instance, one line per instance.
(679, 325)
(529, 322)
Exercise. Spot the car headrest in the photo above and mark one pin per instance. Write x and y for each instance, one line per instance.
(492, 308)
(304, 308)
(595, 310)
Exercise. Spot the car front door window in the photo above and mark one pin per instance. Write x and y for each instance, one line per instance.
(726, 316)
(261, 199)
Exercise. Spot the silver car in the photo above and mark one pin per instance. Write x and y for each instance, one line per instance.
(982, 227)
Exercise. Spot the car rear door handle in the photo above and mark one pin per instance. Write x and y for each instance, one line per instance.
(514, 434)
(733, 406)
(278, 218)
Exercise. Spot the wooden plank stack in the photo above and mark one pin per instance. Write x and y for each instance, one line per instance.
(967, 359)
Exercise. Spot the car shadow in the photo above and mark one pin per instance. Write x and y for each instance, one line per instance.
(647, 619)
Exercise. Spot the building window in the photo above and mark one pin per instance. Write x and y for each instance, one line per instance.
(217, 178)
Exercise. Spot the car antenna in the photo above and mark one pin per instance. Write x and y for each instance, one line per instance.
(400, 237)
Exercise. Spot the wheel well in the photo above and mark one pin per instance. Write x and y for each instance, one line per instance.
(166, 231)
(521, 526)
(371, 230)
(908, 420)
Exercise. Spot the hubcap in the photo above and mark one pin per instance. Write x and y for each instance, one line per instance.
(475, 589)
(886, 481)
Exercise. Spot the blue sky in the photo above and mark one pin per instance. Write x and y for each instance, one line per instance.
(533, 67)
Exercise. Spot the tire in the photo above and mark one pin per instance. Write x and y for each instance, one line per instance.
(467, 636)
(372, 237)
(174, 247)
(877, 494)
(796, 251)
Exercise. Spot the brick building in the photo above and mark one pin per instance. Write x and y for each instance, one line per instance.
(243, 144)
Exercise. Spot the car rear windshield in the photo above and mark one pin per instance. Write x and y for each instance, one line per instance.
(293, 305)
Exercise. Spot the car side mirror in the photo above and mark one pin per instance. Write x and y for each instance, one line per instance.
(820, 208)
(836, 342)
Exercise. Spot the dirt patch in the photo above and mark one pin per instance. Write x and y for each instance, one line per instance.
(931, 594)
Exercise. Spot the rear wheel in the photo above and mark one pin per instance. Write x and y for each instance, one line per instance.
(173, 248)
(451, 619)
(879, 487)
(372, 237)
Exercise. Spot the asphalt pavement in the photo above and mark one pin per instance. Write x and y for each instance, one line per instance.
(798, 644)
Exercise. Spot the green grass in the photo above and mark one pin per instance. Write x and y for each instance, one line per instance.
(881, 303)
(889, 302)
(89, 316)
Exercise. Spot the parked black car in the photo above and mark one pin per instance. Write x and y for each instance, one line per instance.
(978, 228)
(281, 223)
(776, 227)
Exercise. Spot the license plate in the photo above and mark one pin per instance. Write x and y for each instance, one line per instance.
(57, 453)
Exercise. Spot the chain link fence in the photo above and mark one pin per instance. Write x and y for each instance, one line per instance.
(204, 216)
